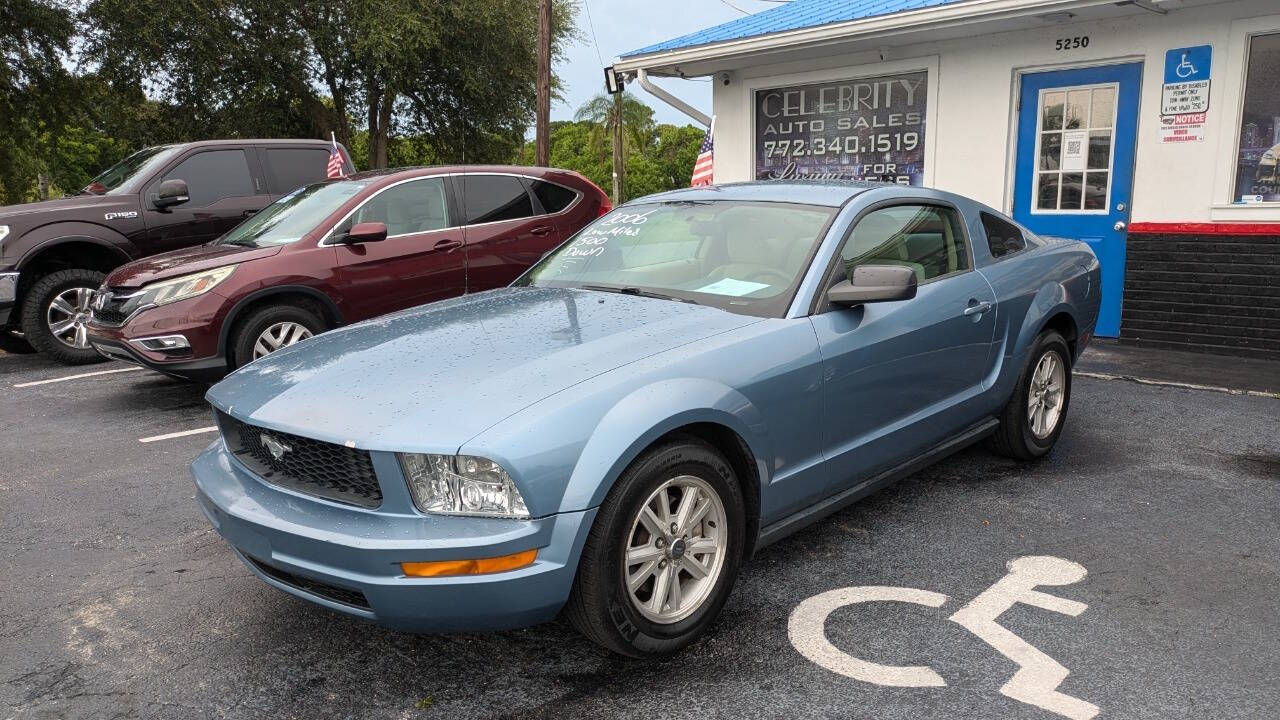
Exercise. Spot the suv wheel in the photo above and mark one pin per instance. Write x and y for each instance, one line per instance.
(663, 553)
(270, 328)
(55, 315)
(1034, 418)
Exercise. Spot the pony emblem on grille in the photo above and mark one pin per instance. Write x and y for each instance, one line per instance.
(274, 446)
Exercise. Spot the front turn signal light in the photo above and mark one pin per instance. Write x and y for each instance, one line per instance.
(483, 566)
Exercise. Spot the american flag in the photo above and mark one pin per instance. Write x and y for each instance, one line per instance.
(704, 168)
(334, 169)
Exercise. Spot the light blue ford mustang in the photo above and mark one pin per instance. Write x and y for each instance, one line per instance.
(690, 378)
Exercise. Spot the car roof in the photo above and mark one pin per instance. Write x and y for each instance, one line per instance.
(401, 173)
(832, 193)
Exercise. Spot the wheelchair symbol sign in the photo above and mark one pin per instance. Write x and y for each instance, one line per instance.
(1038, 676)
(1189, 64)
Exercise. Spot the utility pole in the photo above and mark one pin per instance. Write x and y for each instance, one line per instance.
(542, 143)
(617, 147)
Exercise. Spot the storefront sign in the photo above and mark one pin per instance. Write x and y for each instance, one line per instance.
(867, 129)
(1182, 128)
(1186, 80)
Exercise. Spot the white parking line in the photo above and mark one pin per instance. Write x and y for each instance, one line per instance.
(77, 377)
(184, 433)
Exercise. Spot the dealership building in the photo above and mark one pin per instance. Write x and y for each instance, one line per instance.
(1148, 128)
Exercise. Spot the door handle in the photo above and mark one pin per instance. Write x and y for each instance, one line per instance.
(541, 230)
(977, 309)
(1120, 226)
(444, 245)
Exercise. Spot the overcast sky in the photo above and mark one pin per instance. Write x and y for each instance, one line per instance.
(625, 25)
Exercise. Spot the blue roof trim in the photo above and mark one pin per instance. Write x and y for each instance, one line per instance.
(795, 15)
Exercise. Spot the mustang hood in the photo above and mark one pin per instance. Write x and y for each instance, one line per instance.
(431, 378)
(183, 262)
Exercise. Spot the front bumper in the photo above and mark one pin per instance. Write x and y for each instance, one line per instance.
(348, 558)
(8, 295)
(198, 319)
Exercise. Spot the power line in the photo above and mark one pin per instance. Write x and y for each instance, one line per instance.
(735, 7)
(586, 4)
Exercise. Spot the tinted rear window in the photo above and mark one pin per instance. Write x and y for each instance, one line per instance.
(492, 198)
(291, 168)
(553, 197)
(1002, 237)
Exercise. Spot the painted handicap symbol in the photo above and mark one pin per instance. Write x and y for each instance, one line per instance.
(1185, 69)
(1038, 677)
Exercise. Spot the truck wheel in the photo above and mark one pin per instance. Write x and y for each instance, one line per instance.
(270, 328)
(55, 315)
(1032, 421)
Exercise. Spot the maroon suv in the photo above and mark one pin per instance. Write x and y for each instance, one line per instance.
(333, 253)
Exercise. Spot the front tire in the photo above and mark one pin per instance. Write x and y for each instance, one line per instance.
(270, 328)
(663, 553)
(55, 315)
(1033, 420)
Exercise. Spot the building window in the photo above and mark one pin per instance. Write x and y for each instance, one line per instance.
(866, 129)
(1073, 173)
(1257, 179)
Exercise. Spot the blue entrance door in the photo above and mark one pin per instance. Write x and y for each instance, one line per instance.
(1074, 178)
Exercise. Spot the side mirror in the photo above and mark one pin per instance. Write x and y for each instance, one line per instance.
(874, 283)
(170, 193)
(366, 232)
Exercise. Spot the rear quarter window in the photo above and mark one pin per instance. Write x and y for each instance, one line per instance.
(1003, 237)
(554, 198)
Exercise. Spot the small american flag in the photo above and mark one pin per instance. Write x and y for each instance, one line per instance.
(704, 167)
(334, 169)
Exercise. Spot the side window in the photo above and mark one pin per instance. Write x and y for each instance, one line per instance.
(413, 207)
(213, 175)
(493, 198)
(929, 239)
(291, 168)
(1003, 237)
(553, 197)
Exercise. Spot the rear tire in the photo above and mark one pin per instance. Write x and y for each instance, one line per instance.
(649, 620)
(37, 315)
(1034, 417)
(249, 331)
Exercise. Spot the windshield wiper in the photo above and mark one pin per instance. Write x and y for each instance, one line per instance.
(639, 292)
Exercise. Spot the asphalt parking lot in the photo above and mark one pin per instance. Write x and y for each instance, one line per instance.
(121, 601)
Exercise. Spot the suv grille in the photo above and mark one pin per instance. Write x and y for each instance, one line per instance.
(314, 467)
(315, 587)
(111, 312)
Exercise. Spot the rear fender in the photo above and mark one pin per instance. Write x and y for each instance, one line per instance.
(650, 412)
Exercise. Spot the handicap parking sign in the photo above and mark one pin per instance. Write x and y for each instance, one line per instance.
(1190, 64)
(1186, 80)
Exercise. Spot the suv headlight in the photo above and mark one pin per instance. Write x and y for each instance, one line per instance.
(181, 288)
(4, 232)
(461, 485)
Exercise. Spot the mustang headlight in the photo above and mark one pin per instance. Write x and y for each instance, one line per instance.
(462, 485)
(181, 288)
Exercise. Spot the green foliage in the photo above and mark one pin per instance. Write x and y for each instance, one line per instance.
(656, 157)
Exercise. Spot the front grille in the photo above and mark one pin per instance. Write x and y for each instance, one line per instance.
(110, 312)
(343, 595)
(314, 467)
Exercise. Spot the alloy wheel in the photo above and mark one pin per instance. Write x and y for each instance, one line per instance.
(1046, 395)
(68, 317)
(281, 334)
(676, 549)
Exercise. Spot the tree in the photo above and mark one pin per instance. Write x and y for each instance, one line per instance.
(459, 74)
(637, 120)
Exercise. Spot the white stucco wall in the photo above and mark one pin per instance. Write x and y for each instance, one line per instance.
(970, 141)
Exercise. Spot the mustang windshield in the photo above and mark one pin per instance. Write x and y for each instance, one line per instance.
(294, 215)
(746, 257)
(124, 175)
